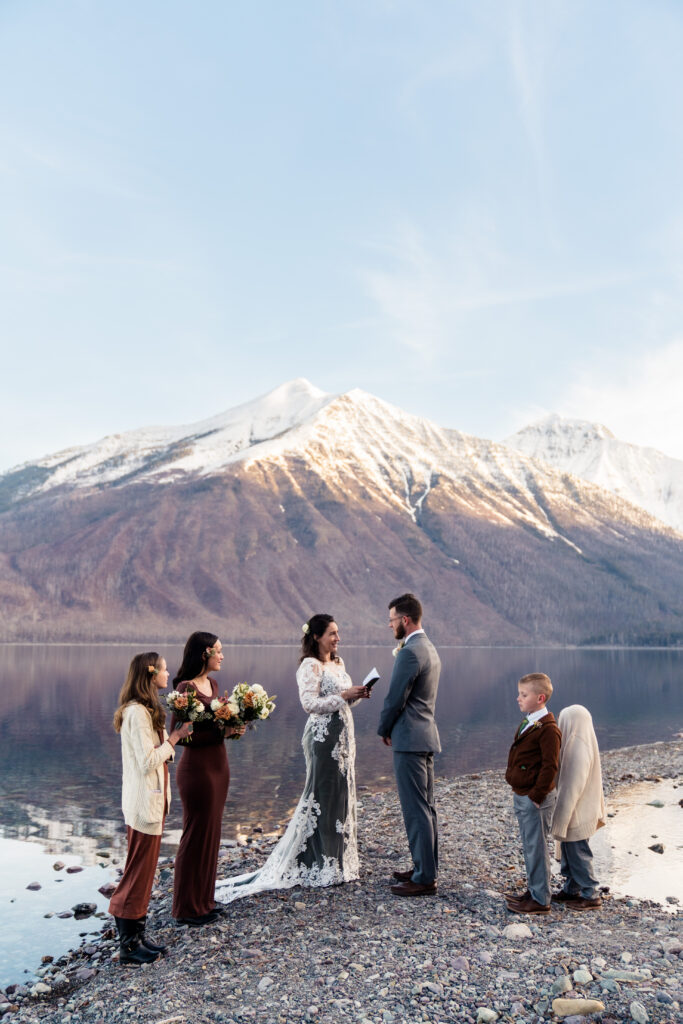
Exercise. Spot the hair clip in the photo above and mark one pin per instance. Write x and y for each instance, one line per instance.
(306, 629)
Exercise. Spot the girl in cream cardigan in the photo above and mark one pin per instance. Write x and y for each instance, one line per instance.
(579, 809)
(145, 750)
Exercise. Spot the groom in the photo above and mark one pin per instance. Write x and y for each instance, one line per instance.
(407, 726)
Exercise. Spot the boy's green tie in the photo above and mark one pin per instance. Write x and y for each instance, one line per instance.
(525, 721)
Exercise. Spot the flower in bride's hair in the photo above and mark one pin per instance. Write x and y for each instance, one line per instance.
(211, 651)
(153, 669)
(306, 629)
(398, 647)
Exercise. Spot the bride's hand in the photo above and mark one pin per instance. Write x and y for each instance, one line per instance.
(236, 731)
(355, 693)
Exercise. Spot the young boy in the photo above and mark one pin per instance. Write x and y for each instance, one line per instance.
(532, 766)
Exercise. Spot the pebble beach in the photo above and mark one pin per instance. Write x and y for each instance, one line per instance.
(355, 953)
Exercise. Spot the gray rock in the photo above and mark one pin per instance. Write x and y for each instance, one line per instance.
(486, 1015)
(265, 983)
(517, 931)
(582, 977)
(34, 886)
(638, 1012)
(560, 985)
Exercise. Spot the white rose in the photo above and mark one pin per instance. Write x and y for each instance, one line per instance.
(258, 689)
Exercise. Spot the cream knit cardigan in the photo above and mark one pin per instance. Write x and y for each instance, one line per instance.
(143, 796)
(580, 806)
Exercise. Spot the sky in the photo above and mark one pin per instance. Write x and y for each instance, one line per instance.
(470, 209)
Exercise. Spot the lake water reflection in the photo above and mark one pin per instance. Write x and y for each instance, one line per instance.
(60, 759)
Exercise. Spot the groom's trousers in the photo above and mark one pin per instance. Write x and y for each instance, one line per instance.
(415, 783)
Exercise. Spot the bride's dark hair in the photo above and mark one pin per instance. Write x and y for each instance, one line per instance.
(317, 624)
(195, 656)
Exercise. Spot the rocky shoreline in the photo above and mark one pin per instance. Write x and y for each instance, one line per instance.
(355, 953)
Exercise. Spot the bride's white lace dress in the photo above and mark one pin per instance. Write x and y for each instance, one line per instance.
(319, 846)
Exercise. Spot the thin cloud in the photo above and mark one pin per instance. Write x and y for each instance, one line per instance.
(641, 402)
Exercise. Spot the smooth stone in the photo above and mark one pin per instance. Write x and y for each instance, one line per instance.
(560, 985)
(58, 865)
(34, 886)
(460, 963)
(642, 975)
(40, 989)
(299, 906)
(580, 1007)
(74, 869)
(265, 983)
(485, 956)
(84, 909)
(582, 977)
(517, 931)
(84, 974)
(657, 847)
(638, 1012)
(486, 1016)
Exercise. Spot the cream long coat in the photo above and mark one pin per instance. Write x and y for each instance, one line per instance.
(580, 806)
(143, 797)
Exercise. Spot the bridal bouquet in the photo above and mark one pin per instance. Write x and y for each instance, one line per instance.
(245, 705)
(186, 706)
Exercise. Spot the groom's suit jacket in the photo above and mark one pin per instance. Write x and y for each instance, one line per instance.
(408, 713)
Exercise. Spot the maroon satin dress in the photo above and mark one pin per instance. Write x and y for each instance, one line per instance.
(202, 779)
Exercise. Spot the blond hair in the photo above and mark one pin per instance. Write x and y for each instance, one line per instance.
(539, 682)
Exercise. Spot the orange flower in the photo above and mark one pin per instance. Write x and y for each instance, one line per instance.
(249, 699)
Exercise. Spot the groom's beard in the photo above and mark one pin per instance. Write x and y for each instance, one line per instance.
(400, 632)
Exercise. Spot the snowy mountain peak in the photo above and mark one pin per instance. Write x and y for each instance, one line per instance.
(643, 476)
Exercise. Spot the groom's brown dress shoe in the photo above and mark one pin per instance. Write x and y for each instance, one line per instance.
(565, 897)
(527, 906)
(515, 897)
(413, 889)
(404, 876)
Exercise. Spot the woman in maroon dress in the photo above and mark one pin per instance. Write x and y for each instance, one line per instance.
(202, 777)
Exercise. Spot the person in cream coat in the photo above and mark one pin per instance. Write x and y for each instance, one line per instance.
(146, 749)
(580, 808)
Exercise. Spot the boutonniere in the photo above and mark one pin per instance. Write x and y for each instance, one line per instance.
(398, 647)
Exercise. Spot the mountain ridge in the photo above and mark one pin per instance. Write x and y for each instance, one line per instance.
(347, 503)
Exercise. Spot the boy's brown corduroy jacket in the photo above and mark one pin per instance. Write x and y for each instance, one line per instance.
(534, 759)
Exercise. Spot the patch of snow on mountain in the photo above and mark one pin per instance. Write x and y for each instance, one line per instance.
(643, 476)
(201, 447)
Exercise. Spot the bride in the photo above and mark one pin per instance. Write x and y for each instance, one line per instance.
(319, 846)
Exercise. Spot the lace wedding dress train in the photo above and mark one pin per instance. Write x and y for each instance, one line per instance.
(319, 846)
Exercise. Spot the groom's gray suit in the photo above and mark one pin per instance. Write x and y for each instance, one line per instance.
(408, 719)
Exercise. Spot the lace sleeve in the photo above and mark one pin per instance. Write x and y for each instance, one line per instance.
(309, 677)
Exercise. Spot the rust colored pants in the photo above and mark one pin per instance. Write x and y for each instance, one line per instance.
(131, 898)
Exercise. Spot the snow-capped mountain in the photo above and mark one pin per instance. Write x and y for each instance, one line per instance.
(643, 476)
(163, 452)
(302, 500)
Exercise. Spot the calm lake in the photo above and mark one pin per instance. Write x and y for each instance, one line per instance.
(60, 770)
(60, 759)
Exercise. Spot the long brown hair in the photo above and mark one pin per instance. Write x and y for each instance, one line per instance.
(140, 688)
(195, 656)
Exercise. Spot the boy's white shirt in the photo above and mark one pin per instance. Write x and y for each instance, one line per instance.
(534, 717)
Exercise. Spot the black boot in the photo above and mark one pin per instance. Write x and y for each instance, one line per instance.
(131, 950)
(141, 923)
